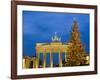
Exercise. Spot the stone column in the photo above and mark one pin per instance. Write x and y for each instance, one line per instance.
(60, 59)
(44, 62)
(37, 60)
(51, 59)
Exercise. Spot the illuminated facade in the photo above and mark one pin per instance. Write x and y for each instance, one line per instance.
(29, 62)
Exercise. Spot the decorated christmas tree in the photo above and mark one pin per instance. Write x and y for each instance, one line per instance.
(76, 54)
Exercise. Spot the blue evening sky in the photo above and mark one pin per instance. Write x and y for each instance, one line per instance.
(41, 26)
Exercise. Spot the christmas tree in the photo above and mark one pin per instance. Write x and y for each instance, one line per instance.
(76, 54)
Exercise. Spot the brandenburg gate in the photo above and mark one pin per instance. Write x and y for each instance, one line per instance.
(55, 46)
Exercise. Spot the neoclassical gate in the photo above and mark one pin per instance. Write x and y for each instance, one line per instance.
(51, 48)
